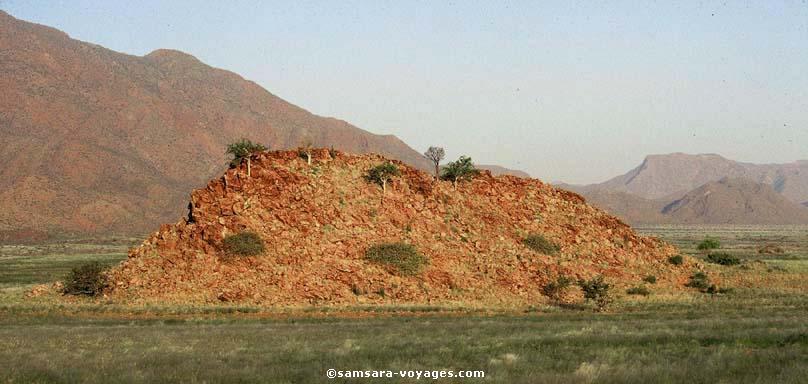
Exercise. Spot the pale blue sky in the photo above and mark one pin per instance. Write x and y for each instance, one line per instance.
(567, 91)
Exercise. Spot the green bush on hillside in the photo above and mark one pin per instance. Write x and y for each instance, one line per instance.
(539, 243)
(700, 281)
(87, 279)
(243, 244)
(676, 260)
(404, 258)
(650, 279)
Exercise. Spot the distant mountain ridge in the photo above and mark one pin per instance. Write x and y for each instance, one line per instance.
(734, 201)
(662, 176)
(498, 170)
(704, 189)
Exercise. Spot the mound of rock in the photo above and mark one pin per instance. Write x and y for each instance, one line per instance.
(318, 220)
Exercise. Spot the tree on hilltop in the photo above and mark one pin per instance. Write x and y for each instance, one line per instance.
(435, 155)
(382, 173)
(243, 150)
(462, 169)
(305, 150)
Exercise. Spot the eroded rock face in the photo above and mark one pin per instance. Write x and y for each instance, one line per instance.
(317, 221)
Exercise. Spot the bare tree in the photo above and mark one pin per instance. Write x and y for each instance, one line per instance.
(435, 154)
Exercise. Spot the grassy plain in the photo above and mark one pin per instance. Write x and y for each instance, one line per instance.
(756, 334)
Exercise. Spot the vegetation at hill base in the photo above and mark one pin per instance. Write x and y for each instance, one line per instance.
(86, 279)
(638, 290)
(700, 281)
(755, 334)
(598, 291)
(556, 289)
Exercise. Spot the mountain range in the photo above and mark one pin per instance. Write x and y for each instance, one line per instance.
(704, 189)
(96, 141)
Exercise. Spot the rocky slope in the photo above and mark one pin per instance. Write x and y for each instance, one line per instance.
(95, 141)
(318, 220)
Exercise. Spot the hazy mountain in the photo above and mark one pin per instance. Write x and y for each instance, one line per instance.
(99, 141)
(497, 170)
(735, 201)
(668, 176)
(707, 188)
(629, 208)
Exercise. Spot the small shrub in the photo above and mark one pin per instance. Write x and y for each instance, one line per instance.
(723, 259)
(597, 290)
(402, 257)
(243, 244)
(539, 243)
(638, 290)
(650, 279)
(555, 289)
(700, 281)
(676, 260)
(87, 279)
(708, 244)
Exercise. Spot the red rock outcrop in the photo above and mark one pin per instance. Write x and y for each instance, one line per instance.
(317, 221)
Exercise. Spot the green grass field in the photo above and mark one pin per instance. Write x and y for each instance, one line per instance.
(756, 334)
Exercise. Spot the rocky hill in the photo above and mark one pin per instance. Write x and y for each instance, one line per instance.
(735, 201)
(317, 221)
(95, 141)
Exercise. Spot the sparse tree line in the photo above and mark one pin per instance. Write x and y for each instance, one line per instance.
(455, 171)
(462, 169)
